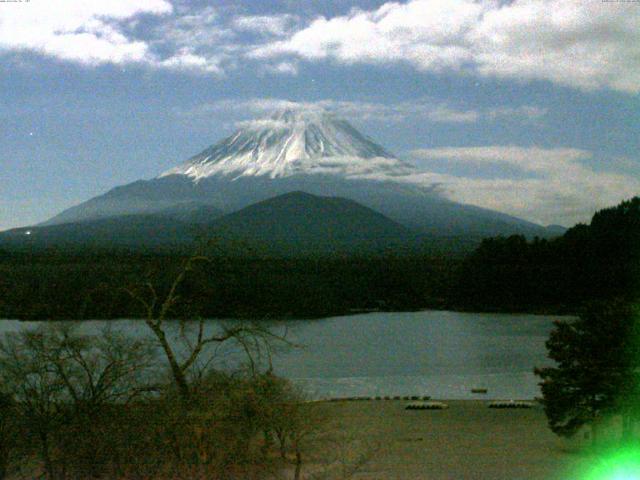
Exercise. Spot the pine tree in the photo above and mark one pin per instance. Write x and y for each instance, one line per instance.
(597, 370)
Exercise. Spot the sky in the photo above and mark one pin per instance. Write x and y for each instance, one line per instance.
(527, 107)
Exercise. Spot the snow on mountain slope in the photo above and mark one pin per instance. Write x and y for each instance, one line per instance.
(299, 150)
(292, 142)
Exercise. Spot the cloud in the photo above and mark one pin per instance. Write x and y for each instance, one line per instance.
(368, 111)
(582, 44)
(424, 109)
(276, 25)
(89, 32)
(194, 41)
(282, 68)
(555, 185)
(262, 123)
(587, 45)
(180, 37)
(194, 30)
(425, 33)
(444, 114)
(529, 159)
(96, 32)
(530, 113)
(187, 59)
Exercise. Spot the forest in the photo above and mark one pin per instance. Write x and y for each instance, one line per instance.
(57, 285)
(600, 260)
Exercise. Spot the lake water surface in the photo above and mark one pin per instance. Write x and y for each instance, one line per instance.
(437, 353)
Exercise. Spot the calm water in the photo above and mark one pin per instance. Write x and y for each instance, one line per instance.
(442, 354)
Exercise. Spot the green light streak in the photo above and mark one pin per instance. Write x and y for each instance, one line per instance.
(623, 464)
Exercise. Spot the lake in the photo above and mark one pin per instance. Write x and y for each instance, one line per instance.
(437, 353)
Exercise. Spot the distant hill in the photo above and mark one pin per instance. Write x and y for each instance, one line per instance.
(554, 231)
(127, 231)
(289, 224)
(191, 212)
(299, 222)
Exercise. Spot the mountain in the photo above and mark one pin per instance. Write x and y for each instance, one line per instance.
(310, 151)
(298, 222)
(289, 224)
(194, 213)
(130, 231)
(555, 230)
(171, 227)
(289, 143)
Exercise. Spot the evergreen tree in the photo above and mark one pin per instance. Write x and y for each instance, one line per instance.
(597, 370)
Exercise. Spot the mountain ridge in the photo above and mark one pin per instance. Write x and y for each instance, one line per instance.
(311, 152)
(290, 224)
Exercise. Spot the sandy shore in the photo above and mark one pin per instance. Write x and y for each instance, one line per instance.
(466, 441)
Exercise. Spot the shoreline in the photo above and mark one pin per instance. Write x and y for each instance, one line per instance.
(535, 402)
(351, 313)
(466, 441)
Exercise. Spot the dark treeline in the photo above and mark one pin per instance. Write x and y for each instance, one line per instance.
(591, 262)
(511, 274)
(59, 285)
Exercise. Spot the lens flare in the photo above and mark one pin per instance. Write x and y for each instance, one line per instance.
(623, 464)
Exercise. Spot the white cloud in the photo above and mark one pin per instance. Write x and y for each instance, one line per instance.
(587, 44)
(276, 25)
(425, 33)
(199, 29)
(282, 68)
(444, 114)
(529, 159)
(368, 111)
(423, 109)
(583, 44)
(83, 31)
(95, 32)
(262, 123)
(185, 59)
(555, 185)
(197, 41)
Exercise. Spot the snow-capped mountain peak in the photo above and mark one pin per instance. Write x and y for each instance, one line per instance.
(293, 141)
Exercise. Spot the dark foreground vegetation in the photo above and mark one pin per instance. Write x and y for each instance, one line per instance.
(80, 406)
(596, 376)
(113, 406)
(509, 274)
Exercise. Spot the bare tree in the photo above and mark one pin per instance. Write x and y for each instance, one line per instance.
(252, 337)
(286, 414)
(38, 391)
(100, 369)
(64, 383)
